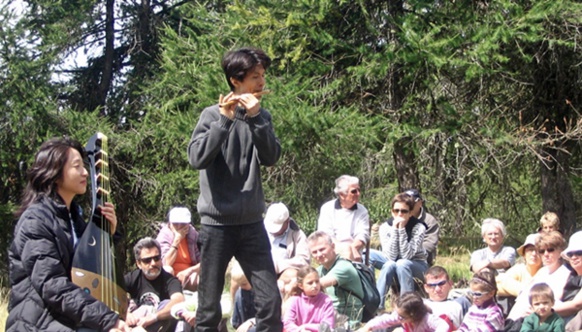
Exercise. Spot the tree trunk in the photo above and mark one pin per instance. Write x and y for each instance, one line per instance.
(557, 192)
(107, 74)
(405, 163)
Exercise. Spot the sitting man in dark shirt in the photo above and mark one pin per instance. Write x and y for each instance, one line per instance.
(153, 291)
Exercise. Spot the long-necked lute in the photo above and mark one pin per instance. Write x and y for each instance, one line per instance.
(95, 268)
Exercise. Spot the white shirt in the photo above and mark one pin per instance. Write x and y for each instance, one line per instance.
(344, 225)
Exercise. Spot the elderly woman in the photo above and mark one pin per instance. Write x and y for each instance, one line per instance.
(496, 256)
(554, 273)
(402, 255)
(571, 308)
(180, 254)
(519, 276)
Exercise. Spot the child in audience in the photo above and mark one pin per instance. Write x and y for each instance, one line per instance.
(549, 222)
(541, 298)
(411, 313)
(484, 315)
(307, 307)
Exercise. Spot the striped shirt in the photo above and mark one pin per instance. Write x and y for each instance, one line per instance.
(487, 318)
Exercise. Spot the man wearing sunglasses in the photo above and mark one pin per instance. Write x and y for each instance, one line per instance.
(438, 285)
(153, 291)
(345, 219)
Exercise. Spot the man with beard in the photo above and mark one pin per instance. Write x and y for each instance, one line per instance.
(153, 291)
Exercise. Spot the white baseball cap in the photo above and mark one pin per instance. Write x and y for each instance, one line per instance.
(180, 215)
(275, 217)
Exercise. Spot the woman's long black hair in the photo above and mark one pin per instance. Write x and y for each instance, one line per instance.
(47, 168)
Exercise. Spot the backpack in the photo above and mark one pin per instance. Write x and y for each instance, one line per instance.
(371, 300)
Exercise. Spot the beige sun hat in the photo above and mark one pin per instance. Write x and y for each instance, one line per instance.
(529, 240)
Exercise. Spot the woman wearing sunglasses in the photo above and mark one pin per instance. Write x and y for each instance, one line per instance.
(402, 255)
(550, 247)
(571, 308)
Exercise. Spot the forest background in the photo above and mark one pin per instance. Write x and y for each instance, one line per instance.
(475, 103)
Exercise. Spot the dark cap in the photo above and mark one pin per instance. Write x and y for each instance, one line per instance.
(414, 194)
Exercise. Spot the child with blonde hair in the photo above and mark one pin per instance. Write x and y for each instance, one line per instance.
(549, 222)
(307, 307)
(412, 314)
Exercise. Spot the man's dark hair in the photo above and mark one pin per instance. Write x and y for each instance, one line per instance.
(238, 63)
(147, 243)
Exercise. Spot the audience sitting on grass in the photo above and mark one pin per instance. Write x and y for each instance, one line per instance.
(554, 273)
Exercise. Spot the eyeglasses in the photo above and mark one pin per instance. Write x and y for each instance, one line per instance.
(148, 260)
(577, 253)
(543, 251)
(440, 283)
(355, 190)
(477, 294)
(397, 211)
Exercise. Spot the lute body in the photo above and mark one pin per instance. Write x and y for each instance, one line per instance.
(95, 268)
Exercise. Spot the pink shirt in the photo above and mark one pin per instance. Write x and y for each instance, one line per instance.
(307, 312)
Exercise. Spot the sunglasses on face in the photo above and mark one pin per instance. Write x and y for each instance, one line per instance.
(434, 285)
(577, 253)
(148, 260)
(543, 251)
(477, 294)
(397, 211)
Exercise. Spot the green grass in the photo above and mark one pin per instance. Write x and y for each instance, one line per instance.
(457, 266)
